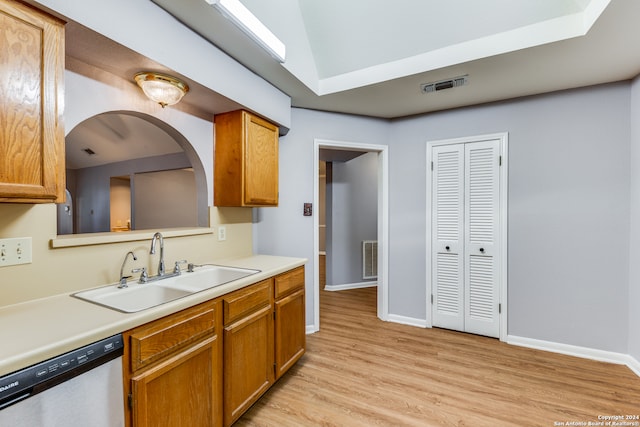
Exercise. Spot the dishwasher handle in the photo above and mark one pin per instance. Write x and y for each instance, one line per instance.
(15, 399)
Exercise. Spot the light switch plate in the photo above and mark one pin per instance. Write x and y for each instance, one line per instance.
(15, 251)
(222, 234)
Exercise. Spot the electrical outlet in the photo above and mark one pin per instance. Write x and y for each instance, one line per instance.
(15, 251)
(222, 234)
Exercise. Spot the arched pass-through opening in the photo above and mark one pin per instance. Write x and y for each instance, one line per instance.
(129, 143)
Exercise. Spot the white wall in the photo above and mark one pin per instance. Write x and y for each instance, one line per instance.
(568, 211)
(568, 207)
(165, 199)
(92, 189)
(634, 248)
(354, 217)
(284, 230)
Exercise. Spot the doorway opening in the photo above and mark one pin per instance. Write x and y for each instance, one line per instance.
(379, 154)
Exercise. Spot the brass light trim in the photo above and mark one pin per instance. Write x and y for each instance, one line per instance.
(161, 88)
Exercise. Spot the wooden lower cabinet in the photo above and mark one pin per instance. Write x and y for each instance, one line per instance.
(290, 329)
(206, 365)
(179, 391)
(248, 347)
(173, 370)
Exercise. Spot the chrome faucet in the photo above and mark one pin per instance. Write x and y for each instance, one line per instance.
(153, 251)
(123, 278)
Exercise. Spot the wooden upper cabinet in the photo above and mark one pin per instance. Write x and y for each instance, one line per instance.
(246, 160)
(31, 99)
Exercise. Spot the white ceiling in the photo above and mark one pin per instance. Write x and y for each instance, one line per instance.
(369, 57)
(115, 137)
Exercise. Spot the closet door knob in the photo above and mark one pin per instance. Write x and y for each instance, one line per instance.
(482, 250)
(447, 247)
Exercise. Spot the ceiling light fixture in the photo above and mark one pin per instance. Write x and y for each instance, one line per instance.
(237, 13)
(161, 88)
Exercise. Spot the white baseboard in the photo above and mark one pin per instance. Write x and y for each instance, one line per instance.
(577, 351)
(411, 321)
(347, 286)
(311, 329)
(634, 365)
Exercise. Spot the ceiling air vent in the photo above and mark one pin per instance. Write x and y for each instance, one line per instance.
(444, 84)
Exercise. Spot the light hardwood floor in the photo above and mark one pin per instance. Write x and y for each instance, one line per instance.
(360, 371)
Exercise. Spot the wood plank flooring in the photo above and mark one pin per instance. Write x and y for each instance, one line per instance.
(360, 371)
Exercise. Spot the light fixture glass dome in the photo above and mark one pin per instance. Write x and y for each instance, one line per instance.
(161, 88)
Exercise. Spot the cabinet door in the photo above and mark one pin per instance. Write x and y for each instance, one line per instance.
(179, 391)
(31, 88)
(248, 362)
(290, 331)
(261, 168)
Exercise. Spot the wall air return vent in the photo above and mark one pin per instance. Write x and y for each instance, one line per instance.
(369, 259)
(444, 84)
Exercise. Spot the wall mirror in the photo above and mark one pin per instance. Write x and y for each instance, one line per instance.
(130, 171)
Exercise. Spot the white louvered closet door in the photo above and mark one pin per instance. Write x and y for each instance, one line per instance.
(481, 237)
(448, 238)
(465, 228)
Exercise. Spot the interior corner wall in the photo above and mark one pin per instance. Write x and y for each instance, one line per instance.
(634, 235)
(354, 218)
(283, 230)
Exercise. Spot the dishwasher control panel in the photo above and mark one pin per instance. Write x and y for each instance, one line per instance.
(34, 379)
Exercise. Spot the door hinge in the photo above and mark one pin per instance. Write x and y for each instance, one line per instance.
(431, 165)
(432, 299)
(130, 400)
(274, 315)
(500, 161)
(500, 308)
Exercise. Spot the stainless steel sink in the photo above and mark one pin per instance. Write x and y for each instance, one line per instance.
(141, 296)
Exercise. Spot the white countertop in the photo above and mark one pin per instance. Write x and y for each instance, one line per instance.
(37, 330)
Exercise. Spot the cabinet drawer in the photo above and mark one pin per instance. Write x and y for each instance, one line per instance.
(289, 282)
(245, 301)
(158, 339)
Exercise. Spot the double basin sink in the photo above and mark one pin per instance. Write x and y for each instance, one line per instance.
(140, 296)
